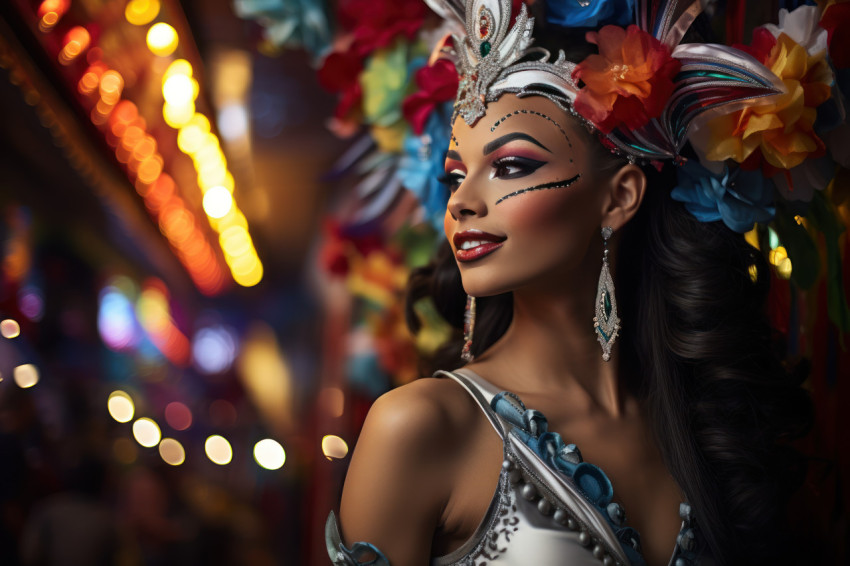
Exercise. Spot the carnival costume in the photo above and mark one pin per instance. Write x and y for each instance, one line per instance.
(752, 129)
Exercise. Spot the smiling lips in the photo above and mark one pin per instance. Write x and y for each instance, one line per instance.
(475, 244)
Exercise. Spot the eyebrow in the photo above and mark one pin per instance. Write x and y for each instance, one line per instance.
(452, 154)
(499, 142)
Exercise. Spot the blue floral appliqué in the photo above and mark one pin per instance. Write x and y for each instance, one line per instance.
(588, 14)
(739, 198)
(531, 427)
(422, 164)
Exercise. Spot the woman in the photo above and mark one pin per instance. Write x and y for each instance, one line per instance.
(683, 412)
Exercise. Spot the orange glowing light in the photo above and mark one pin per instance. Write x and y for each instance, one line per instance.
(91, 78)
(132, 136)
(149, 169)
(75, 42)
(125, 112)
(50, 12)
(111, 85)
(145, 148)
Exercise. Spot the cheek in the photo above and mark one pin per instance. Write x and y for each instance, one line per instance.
(448, 225)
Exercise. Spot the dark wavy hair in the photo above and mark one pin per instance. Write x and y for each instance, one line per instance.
(704, 363)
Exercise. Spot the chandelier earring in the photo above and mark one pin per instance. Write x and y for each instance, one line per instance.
(468, 328)
(606, 323)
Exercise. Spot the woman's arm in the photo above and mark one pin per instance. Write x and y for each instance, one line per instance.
(400, 474)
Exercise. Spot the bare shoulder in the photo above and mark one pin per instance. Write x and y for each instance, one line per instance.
(402, 470)
(425, 411)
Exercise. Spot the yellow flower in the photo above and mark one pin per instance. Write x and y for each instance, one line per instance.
(781, 127)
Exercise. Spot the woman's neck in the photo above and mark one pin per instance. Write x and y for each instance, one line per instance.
(551, 345)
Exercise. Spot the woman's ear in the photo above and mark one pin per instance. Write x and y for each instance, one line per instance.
(627, 188)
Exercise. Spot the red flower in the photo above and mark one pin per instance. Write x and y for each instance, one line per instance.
(837, 18)
(340, 72)
(629, 82)
(375, 23)
(437, 83)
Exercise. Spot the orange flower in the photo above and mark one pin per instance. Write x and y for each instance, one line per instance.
(628, 82)
(780, 130)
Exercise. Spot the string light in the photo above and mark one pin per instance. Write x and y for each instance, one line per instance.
(218, 450)
(141, 12)
(26, 375)
(10, 328)
(269, 454)
(172, 452)
(162, 39)
(120, 406)
(333, 447)
(146, 432)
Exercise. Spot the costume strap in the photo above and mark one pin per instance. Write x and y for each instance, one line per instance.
(341, 555)
(481, 391)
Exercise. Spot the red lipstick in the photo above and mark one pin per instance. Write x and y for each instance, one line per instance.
(471, 245)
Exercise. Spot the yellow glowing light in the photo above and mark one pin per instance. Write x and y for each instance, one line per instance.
(776, 255)
(10, 328)
(217, 202)
(334, 447)
(235, 241)
(783, 268)
(178, 116)
(146, 432)
(752, 238)
(249, 277)
(218, 450)
(269, 454)
(141, 12)
(25, 375)
(152, 310)
(754, 273)
(212, 174)
(190, 137)
(172, 451)
(178, 67)
(179, 90)
(120, 406)
(162, 39)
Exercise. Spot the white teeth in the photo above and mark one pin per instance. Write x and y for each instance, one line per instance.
(469, 244)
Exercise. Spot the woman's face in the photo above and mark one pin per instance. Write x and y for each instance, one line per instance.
(526, 201)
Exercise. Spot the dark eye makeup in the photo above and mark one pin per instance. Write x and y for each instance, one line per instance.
(514, 167)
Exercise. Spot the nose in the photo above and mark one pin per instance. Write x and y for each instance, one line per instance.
(467, 200)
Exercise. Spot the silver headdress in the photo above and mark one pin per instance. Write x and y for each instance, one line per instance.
(493, 58)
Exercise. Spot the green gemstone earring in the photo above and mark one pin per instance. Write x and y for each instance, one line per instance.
(606, 323)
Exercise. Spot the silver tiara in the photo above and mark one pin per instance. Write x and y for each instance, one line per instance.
(488, 58)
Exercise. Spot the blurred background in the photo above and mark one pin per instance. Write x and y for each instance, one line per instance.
(208, 213)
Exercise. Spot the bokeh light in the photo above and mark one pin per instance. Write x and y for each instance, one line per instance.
(75, 42)
(179, 89)
(178, 416)
(269, 454)
(333, 447)
(116, 319)
(217, 202)
(214, 349)
(233, 121)
(120, 406)
(10, 328)
(222, 413)
(31, 303)
(146, 432)
(172, 451)
(50, 12)
(218, 450)
(26, 375)
(178, 67)
(141, 12)
(162, 39)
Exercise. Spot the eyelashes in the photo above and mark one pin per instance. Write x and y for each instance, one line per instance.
(514, 167)
(504, 168)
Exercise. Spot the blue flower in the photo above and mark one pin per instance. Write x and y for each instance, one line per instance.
(738, 198)
(589, 14)
(421, 165)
